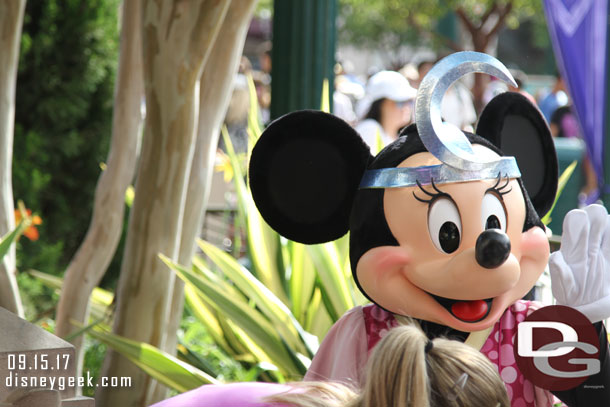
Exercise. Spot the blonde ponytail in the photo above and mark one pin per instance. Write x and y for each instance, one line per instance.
(397, 373)
(407, 370)
(462, 376)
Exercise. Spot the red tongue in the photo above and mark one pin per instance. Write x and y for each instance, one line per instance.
(469, 310)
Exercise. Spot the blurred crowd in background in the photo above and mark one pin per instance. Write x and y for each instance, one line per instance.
(381, 103)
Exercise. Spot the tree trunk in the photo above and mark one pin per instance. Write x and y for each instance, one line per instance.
(11, 20)
(177, 39)
(482, 34)
(216, 84)
(95, 253)
(479, 41)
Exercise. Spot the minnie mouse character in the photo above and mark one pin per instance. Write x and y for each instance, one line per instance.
(444, 226)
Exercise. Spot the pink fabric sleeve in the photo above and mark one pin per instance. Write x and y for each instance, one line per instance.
(248, 394)
(343, 352)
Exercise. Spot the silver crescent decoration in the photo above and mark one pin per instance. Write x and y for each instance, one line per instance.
(444, 140)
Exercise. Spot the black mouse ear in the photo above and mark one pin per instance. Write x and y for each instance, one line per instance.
(304, 173)
(514, 125)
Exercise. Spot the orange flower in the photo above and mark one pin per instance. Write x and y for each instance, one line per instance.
(30, 232)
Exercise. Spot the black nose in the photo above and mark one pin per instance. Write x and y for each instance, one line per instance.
(492, 248)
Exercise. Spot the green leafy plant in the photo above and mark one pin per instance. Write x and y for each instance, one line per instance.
(271, 315)
(63, 119)
(263, 314)
(274, 313)
(265, 320)
(9, 238)
(160, 365)
(561, 184)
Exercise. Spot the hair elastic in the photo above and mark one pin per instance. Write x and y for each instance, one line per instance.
(429, 346)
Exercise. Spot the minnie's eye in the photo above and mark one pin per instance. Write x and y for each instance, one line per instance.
(444, 225)
(493, 214)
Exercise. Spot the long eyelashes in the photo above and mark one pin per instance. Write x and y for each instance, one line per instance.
(432, 195)
(501, 190)
(497, 188)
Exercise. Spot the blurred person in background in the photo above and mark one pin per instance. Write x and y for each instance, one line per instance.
(493, 88)
(409, 71)
(559, 112)
(555, 99)
(388, 107)
(422, 69)
(564, 124)
(342, 104)
(262, 80)
(457, 106)
(347, 90)
(521, 79)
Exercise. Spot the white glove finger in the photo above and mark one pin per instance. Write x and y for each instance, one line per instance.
(603, 261)
(591, 276)
(597, 224)
(596, 311)
(575, 237)
(563, 283)
(605, 245)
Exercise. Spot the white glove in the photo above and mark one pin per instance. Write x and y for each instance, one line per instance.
(580, 270)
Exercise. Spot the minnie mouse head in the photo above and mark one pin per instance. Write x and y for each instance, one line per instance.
(443, 225)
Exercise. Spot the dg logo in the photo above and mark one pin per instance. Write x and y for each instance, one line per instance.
(557, 348)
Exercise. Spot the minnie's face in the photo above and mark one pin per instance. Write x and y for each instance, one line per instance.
(446, 269)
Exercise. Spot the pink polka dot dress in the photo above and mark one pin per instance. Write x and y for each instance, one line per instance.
(498, 348)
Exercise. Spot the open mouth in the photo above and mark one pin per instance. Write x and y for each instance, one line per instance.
(466, 310)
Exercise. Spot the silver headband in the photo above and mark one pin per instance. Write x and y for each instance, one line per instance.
(440, 174)
(444, 140)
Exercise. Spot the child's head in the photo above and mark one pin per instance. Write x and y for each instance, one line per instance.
(408, 370)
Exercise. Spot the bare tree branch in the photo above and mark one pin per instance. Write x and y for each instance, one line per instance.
(466, 21)
(488, 14)
(90, 262)
(501, 20)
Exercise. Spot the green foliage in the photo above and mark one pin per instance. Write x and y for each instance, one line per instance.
(388, 24)
(63, 120)
(161, 366)
(273, 314)
(95, 352)
(177, 374)
(199, 348)
(385, 24)
(38, 299)
(258, 323)
(8, 239)
(40, 293)
(264, 8)
(561, 184)
(262, 322)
